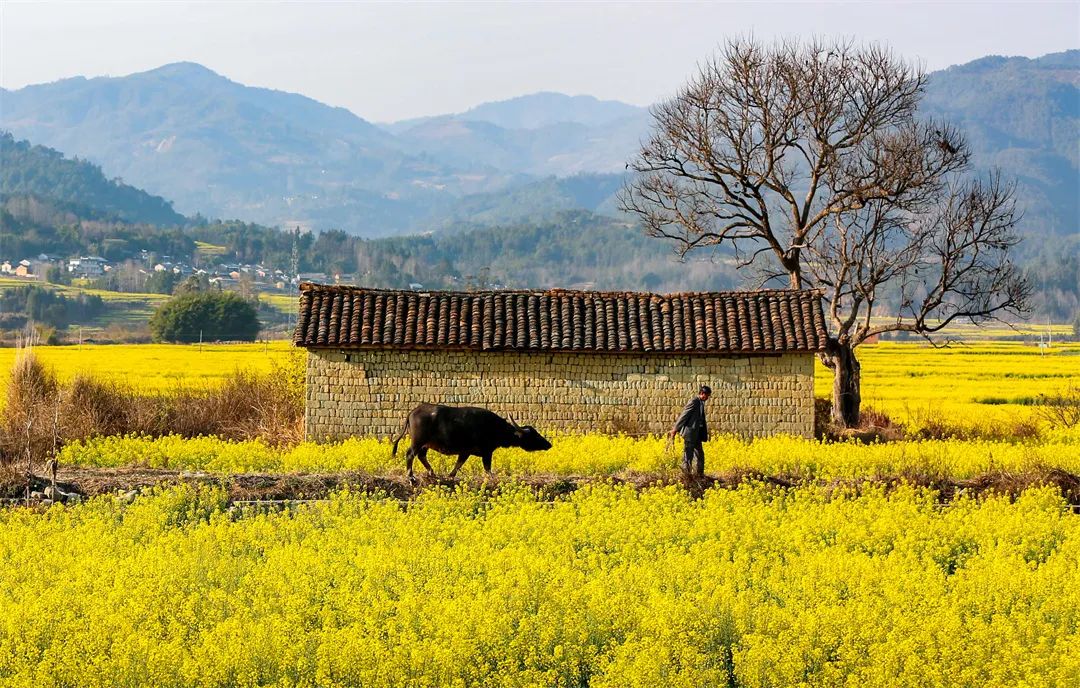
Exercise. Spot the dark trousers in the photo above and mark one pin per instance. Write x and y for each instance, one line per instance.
(693, 458)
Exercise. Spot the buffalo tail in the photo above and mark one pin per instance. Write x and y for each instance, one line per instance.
(404, 429)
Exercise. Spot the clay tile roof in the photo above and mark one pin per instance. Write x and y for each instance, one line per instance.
(768, 321)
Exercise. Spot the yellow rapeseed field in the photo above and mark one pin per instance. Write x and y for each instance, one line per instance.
(584, 455)
(608, 586)
(977, 384)
(751, 587)
(986, 383)
(153, 367)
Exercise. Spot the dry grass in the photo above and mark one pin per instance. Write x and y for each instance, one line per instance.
(29, 417)
(874, 425)
(1012, 429)
(1062, 408)
(12, 480)
(44, 413)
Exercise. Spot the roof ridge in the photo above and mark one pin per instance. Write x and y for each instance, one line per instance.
(314, 286)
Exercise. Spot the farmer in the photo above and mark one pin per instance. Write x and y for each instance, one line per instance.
(692, 426)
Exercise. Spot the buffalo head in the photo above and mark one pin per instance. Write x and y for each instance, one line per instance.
(530, 440)
(526, 437)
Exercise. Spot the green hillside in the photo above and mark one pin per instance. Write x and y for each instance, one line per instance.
(76, 185)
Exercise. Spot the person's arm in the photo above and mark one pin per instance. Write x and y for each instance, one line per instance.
(704, 424)
(684, 417)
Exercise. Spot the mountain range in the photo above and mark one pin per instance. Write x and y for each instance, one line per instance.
(221, 149)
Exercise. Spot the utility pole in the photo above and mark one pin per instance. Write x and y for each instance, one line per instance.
(296, 252)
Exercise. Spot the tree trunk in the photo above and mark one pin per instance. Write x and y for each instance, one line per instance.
(846, 378)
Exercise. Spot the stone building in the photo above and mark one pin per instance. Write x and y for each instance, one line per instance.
(571, 360)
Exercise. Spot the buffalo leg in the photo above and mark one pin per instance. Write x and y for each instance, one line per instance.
(422, 455)
(460, 462)
(486, 458)
(408, 464)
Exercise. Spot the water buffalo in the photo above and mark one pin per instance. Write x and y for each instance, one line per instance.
(465, 431)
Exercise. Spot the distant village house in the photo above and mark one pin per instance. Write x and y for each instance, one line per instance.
(24, 269)
(88, 266)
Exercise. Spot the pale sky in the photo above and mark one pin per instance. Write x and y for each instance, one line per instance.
(388, 61)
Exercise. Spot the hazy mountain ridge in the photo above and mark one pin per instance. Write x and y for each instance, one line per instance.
(535, 111)
(228, 150)
(543, 109)
(224, 149)
(538, 134)
(559, 149)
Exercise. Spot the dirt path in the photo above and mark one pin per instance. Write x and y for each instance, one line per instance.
(134, 480)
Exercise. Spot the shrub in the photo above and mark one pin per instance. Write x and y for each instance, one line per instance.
(874, 425)
(97, 407)
(29, 409)
(209, 316)
(57, 275)
(1061, 409)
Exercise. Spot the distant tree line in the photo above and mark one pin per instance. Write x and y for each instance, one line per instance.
(46, 306)
(31, 225)
(570, 247)
(1052, 266)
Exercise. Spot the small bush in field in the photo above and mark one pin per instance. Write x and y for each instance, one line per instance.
(206, 316)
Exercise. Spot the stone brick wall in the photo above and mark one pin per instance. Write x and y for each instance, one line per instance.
(371, 392)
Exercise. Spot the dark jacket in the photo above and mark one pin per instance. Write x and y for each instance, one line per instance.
(691, 423)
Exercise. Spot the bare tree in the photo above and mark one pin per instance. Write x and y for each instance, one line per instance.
(809, 160)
